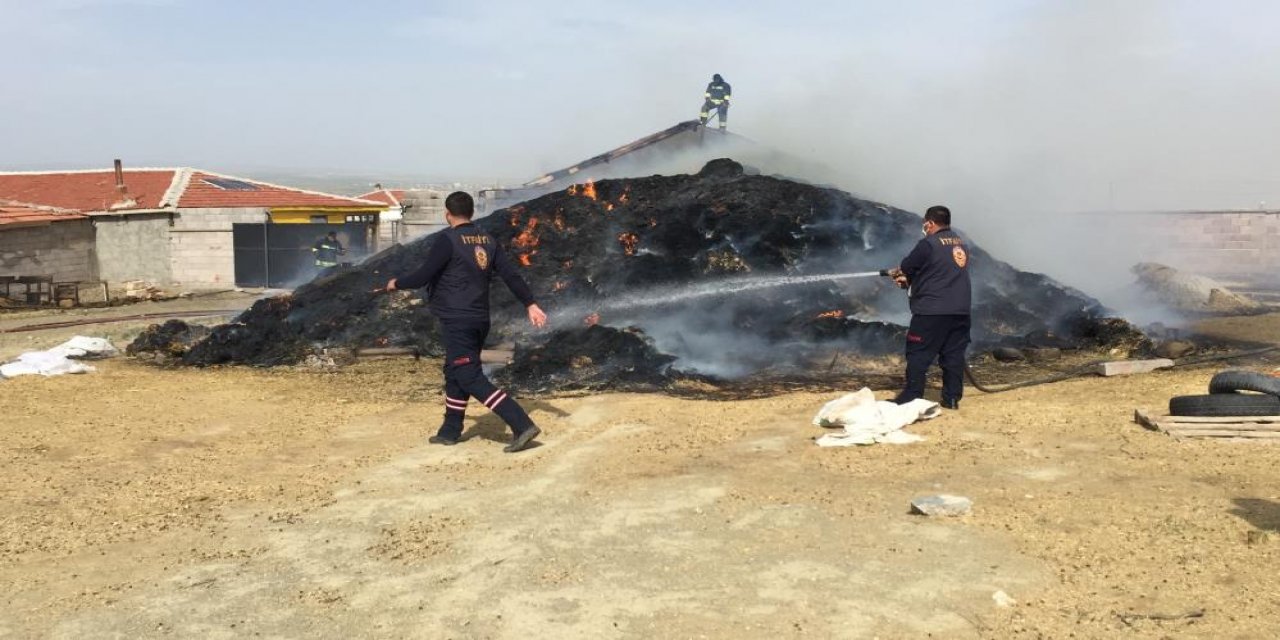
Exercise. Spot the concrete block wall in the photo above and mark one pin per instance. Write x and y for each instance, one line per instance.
(134, 247)
(1238, 244)
(426, 206)
(200, 246)
(412, 231)
(64, 250)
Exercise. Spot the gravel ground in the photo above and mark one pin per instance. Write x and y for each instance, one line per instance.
(141, 502)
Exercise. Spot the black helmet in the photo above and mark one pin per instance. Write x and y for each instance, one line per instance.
(715, 77)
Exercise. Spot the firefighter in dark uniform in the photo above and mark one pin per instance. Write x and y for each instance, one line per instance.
(937, 272)
(327, 250)
(457, 271)
(717, 97)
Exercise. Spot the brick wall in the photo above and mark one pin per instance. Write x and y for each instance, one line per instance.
(200, 246)
(1240, 244)
(134, 247)
(64, 250)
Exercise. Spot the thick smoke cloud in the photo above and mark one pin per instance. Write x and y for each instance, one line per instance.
(1018, 114)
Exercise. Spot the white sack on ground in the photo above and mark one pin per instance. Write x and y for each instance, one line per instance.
(60, 359)
(867, 421)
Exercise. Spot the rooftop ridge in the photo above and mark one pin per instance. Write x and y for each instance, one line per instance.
(280, 186)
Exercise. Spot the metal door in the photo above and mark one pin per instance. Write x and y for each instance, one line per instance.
(279, 255)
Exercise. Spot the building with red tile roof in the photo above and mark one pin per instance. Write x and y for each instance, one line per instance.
(16, 214)
(50, 242)
(392, 197)
(149, 189)
(183, 227)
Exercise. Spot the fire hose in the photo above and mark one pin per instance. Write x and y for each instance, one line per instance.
(1089, 368)
(111, 319)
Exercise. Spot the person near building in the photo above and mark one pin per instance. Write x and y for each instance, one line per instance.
(327, 250)
(937, 274)
(456, 272)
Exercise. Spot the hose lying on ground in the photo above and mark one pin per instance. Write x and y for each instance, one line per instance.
(1092, 366)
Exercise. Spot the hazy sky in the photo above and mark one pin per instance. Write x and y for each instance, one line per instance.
(1013, 105)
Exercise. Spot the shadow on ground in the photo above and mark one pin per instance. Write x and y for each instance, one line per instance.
(1263, 514)
(490, 427)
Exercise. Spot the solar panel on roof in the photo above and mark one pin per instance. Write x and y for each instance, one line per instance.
(231, 185)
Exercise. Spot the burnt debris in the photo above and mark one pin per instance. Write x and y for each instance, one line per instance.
(606, 260)
(594, 357)
(166, 343)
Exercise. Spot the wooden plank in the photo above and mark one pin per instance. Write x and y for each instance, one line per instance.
(1219, 419)
(1243, 426)
(1225, 433)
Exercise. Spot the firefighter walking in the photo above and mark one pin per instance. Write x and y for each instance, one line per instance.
(457, 272)
(937, 272)
(327, 250)
(717, 97)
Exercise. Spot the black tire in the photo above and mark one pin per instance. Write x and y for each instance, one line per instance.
(1225, 404)
(1236, 380)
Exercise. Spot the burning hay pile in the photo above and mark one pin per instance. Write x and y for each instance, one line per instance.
(718, 275)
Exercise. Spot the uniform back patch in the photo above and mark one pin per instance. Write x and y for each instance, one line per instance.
(961, 258)
(482, 258)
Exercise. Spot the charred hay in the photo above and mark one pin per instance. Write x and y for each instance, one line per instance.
(614, 249)
(167, 343)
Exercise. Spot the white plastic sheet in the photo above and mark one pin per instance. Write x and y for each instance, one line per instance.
(61, 359)
(865, 420)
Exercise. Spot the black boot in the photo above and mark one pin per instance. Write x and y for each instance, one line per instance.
(522, 441)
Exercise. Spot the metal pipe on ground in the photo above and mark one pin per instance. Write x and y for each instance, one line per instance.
(142, 316)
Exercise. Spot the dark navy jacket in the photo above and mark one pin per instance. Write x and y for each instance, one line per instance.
(457, 271)
(938, 268)
(719, 91)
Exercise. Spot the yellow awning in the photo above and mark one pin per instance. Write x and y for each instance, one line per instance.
(333, 215)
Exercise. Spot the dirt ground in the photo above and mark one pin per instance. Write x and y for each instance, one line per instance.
(291, 503)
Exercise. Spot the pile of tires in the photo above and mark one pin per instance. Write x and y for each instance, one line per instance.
(1232, 393)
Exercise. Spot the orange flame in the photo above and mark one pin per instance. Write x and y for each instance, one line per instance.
(628, 242)
(608, 206)
(591, 320)
(528, 241)
(834, 313)
(589, 190)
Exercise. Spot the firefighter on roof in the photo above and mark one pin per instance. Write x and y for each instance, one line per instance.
(717, 97)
